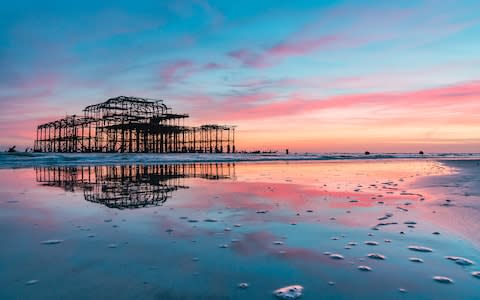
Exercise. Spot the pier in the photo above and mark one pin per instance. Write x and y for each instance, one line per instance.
(132, 124)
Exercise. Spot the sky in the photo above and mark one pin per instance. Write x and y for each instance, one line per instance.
(310, 76)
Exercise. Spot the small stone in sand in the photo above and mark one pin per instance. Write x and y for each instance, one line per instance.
(416, 259)
(210, 220)
(364, 268)
(243, 285)
(336, 256)
(460, 260)
(31, 282)
(371, 243)
(51, 242)
(420, 248)
(107, 220)
(112, 246)
(436, 233)
(376, 256)
(442, 279)
(331, 283)
(289, 292)
(278, 243)
(402, 290)
(476, 274)
(223, 246)
(262, 211)
(237, 225)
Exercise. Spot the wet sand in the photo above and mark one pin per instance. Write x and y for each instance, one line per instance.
(340, 229)
(454, 199)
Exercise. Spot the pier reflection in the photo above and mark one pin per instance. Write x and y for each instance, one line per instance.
(130, 186)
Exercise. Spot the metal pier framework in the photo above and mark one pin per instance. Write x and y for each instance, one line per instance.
(132, 124)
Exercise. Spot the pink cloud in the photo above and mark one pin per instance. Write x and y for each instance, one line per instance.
(433, 98)
(176, 71)
(288, 48)
(182, 69)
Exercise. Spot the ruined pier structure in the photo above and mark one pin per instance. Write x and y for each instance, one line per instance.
(131, 124)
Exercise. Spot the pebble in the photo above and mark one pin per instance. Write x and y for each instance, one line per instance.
(107, 220)
(460, 260)
(376, 256)
(112, 246)
(331, 283)
(442, 279)
(371, 243)
(91, 235)
(51, 242)
(210, 220)
(402, 290)
(410, 223)
(278, 243)
(476, 274)
(336, 256)
(237, 225)
(243, 285)
(420, 248)
(436, 233)
(416, 259)
(289, 292)
(262, 211)
(31, 282)
(223, 246)
(352, 243)
(364, 268)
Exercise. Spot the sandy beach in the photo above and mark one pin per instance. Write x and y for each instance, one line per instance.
(357, 229)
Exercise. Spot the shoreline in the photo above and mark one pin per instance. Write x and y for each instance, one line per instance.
(30, 160)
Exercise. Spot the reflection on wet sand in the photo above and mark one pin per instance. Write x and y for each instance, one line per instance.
(360, 229)
(130, 186)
